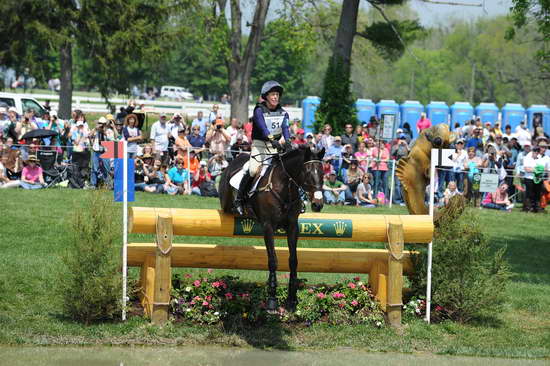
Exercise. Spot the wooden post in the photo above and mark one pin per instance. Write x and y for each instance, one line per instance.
(163, 270)
(395, 274)
(147, 284)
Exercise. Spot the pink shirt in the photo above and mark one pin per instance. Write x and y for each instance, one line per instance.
(32, 174)
(423, 123)
(384, 155)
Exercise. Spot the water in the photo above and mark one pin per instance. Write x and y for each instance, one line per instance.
(199, 355)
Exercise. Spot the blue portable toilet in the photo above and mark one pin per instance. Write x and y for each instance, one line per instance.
(388, 106)
(410, 113)
(487, 112)
(437, 112)
(365, 109)
(512, 114)
(539, 111)
(309, 106)
(461, 112)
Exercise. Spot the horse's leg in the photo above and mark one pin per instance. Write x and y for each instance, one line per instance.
(272, 265)
(292, 240)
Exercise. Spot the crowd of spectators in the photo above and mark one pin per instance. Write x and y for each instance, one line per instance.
(187, 157)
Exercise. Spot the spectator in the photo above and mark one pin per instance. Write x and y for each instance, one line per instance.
(372, 128)
(175, 125)
(217, 165)
(11, 159)
(294, 127)
(24, 126)
(535, 165)
(248, 129)
(507, 132)
(5, 181)
(398, 151)
(56, 125)
(214, 114)
(347, 157)
(423, 123)
(364, 193)
(354, 175)
(143, 168)
(475, 140)
(326, 140)
(155, 178)
(100, 167)
(498, 200)
(472, 164)
(379, 167)
(132, 134)
(201, 178)
(350, 137)
(160, 130)
(177, 179)
(241, 145)
(300, 137)
(363, 155)
(450, 192)
(334, 154)
(523, 135)
(492, 160)
(218, 138)
(334, 190)
(310, 141)
(407, 131)
(233, 129)
(202, 123)
(31, 177)
(458, 158)
(196, 140)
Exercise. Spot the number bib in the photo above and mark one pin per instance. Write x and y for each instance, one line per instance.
(274, 124)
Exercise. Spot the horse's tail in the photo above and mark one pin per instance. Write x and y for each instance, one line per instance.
(227, 193)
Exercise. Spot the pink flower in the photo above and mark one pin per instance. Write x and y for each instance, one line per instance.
(438, 308)
(192, 302)
(197, 298)
(216, 284)
(244, 296)
(229, 296)
(222, 284)
(363, 287)
(210, 270)
(338, 295)
(205, 303)
(208, 298)
(354, 303)
(321, 295)
(187, 275)
(351, 285)
(357, 278)
(197, 283)
(310, 291)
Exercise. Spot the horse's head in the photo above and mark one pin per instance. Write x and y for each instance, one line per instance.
(313, 177)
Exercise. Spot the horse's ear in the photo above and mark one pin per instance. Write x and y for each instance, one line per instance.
(321, 154)
(307, 152)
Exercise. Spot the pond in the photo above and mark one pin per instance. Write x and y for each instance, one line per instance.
(200, 355)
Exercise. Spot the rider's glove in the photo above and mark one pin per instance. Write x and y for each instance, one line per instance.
(276, 144)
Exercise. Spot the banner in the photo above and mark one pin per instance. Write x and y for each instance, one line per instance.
(119, 184)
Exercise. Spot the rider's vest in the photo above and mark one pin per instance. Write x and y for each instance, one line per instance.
(273, 121)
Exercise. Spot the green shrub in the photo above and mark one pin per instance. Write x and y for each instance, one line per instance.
(468, 279)
(90, 281)
(337, 102)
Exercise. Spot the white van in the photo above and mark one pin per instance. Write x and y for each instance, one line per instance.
(175, 92)
(21, 102)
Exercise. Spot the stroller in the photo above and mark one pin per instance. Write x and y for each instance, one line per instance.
(79, 169)
(54, 173)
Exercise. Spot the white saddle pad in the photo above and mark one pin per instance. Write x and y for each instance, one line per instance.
(235, 180)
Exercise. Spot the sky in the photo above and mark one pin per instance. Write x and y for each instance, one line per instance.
(432, 14)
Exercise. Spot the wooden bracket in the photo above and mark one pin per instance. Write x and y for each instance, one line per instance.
(163, 270)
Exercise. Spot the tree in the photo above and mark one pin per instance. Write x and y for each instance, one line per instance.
(110, 33)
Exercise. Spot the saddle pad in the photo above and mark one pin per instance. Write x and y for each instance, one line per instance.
(235, 180)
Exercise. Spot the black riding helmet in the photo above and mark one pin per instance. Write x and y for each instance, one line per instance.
(270, 86)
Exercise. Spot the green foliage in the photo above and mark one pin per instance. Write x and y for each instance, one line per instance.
(469, 281)
(385, 40)
(210, 300)
(337, 102)
(90, 281)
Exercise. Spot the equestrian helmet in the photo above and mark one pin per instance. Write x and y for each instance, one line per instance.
(270, 86)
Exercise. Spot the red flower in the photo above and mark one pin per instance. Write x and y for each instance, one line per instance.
(357, 278)
(229, 296)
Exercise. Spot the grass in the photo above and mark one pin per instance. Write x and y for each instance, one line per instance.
(33, 235)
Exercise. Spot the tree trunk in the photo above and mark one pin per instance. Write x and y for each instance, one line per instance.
(240, 65)
(66, 91)
(346, 31)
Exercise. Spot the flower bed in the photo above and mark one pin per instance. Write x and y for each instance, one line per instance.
(212, 299)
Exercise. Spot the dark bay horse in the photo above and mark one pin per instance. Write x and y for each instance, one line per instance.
(277, 203)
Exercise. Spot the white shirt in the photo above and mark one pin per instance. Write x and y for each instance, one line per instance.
(459, 159)
(524, 137)
(530, 161)
(159, 133)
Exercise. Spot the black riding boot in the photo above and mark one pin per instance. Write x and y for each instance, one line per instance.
(243, 188)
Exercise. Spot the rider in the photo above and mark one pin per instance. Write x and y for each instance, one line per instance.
(269, 122)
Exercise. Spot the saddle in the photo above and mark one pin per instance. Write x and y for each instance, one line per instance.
(237, 176)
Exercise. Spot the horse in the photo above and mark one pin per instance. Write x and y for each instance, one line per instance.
(277, 203)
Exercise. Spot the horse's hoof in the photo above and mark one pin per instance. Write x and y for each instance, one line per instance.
(271, 305)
